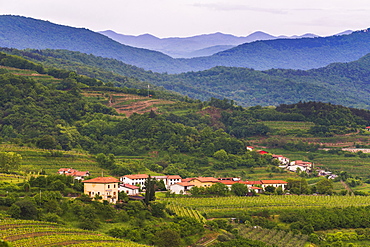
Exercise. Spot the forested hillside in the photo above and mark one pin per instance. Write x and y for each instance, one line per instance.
(305, 53)
(38, 34)
(339, 83)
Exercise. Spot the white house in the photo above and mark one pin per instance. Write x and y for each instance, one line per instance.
(172, 179)
(274, 183)
(181, 188)
(283, 160)
(74, 173)
(129, 189)
(136, 179)
(303, 166)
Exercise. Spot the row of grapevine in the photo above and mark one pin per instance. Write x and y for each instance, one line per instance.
(34, 233)
(272, 202)
(273, 237)
(186, 212)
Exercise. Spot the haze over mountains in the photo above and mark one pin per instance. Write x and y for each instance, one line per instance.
(195, 46)
(344, 82)
(304, 53)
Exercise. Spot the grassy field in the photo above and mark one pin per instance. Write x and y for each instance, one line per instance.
(288, 125)
(35, 233)
(34, 160)
(233, 206)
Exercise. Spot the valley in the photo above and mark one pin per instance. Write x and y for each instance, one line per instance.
(269, 156)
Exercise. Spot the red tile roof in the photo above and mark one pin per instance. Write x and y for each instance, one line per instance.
(187, 179)
(273, 182)
(255, 188)
(227, 182)
(250, 182)
(102, 180)
(207, 179)
(173, 177)
(133, 187)
(184, 184)
(137, 176)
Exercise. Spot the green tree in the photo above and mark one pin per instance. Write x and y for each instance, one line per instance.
(149, 190)
(9, 161)
(239, 189)
(167, 238)
(325, 186)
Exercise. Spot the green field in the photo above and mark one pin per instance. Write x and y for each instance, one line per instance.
(288, 125)
(35, 233)
(233, 206)
(34, 160)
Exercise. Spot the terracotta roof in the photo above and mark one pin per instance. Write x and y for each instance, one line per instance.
(368, 127)
(137, 176)
(77, 173)
(184, 184)
(300, 162)
(102, 180)
(227, 182)
(273, 182)
(255, 188)
(207, 179)
(262, 152)
(187, 179)
(250, 182)
(133, 187)
(173, 177)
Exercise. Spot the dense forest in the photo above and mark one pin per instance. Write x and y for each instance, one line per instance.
(336, 83)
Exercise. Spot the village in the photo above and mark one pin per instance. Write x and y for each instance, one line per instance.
(107, 188)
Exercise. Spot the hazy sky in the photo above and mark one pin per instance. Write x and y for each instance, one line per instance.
(181, 18)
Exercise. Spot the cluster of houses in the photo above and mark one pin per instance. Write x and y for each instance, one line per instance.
(108, 187)
(296, 165)
(74, 173)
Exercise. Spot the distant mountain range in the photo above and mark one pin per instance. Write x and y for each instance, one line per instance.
(303, 53)
(195, 46)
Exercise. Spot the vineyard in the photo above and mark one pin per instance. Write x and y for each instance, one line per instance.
(24, 233)
(229, 206)
(273, 237)
(186, 212)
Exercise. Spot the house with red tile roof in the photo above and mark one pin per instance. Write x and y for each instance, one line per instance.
(72, 172)
(105, 187)
(274, 183)
(129, 189)
(282, 160)
(135, 179)
(181, 188)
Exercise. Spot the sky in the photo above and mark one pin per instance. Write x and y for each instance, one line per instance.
(184, 18)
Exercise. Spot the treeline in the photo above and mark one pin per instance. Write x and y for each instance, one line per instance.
(312, 219)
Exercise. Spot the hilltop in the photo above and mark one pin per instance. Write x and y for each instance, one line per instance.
(302, 53)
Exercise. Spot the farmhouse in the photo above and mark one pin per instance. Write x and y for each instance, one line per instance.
(274, 183)
(367, 128)
(282, 160)
(303, 166)
(181, 188)
(136, 179)
(106, 187)
(72, 172)
(203, 181)
(129, 189)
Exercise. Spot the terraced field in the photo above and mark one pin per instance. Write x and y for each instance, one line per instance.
(24, 233)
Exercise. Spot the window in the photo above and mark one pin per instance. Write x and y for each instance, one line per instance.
(108, 186)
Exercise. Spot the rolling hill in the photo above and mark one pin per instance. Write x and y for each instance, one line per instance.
(21, 33)
(304, 53)
(338, 83)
